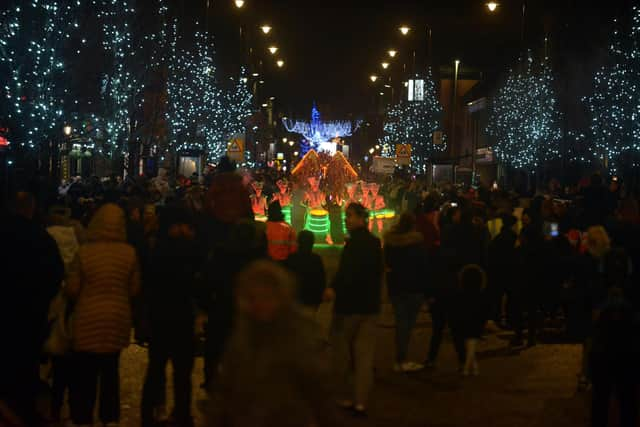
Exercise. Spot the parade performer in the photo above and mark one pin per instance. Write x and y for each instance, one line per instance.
(315, 201)
(376, 206)
(258, 200)
(284, 198)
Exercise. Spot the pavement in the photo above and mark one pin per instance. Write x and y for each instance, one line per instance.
(530, 388)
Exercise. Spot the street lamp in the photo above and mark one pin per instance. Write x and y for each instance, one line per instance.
(284, 140)
(371, 150)
(67, 130)
(239, 4)
(373, 78)
(385, 65)
(492, 6)
(291, 143)
(266, 29)
(273, 50)
(404, 30)
(280, 63)
(392, 53)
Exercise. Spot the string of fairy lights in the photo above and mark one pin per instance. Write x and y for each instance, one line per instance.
(524, 119)
(39, 42)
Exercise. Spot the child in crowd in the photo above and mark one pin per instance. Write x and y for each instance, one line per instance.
(309, 272)
(470, 314)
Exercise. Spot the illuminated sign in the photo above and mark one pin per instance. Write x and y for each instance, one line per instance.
(416, 90)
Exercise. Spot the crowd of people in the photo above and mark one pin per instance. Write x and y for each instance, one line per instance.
(97, 266)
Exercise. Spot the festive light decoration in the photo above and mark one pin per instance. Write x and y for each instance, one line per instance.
(615, 102)
(320, 134)
(119, 86)
(524, 119)
(414, 122)
(35, 82)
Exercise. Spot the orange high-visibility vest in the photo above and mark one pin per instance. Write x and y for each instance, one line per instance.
(281, 240)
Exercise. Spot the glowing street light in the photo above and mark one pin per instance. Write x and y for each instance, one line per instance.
(273, 50)
(291, 143)
(404, 30)
(392, 53)
(67, 130)
(239, 4)
(371, 150)
(280, 63)
(385, 65)
(266, 29)
(285, 140)
(492, 6)
(373, 78)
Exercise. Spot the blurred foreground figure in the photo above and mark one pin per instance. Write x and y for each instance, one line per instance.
(32, 271)
(274, 373)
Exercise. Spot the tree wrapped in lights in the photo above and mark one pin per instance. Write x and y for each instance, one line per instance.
(194, 107)
(524, 118)
(615, 102)
(33, 38)
(414, 122)
(119, 85)
(235, 110)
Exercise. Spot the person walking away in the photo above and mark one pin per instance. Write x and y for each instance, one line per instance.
(455, 252)
(310, 273)
(502, 262)
(61, 229)
(357, 289)
(469, 313)
(32, 271)
(615, 351)
(405, 259)
(274, 372)
(234, 240)
(281, 237)
(103, 279)
(171, 299)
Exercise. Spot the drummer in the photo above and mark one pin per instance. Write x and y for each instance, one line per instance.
(315, 200)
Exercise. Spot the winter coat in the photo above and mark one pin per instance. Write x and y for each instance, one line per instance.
(309, 270)
(406, 260)
(66, 240)
(102, 280)
(358, 282)
(277, 375)
(503, 260)
(32, 271)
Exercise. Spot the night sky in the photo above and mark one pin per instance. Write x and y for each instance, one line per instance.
(331, 47)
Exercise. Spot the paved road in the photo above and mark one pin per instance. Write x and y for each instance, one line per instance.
(534, 388)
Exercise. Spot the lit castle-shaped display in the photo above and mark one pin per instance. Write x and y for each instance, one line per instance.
(321, 135)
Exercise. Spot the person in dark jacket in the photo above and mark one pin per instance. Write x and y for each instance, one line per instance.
(456, 251)
(405, 257)
(235, 240)
(502, 263)
(615, 350)
(357, 289)
(31, 277)
(309, 270)
(171, 297)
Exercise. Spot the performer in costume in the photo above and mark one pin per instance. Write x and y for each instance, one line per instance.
(284, 198)
(315, 201)
(376, 206)
(258, 201)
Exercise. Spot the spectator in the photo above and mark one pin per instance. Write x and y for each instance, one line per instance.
(405, 257)
(470, 313)
(171, 296)
(274, 373)
(357, 290)
(102, 281)
(503, 262)
(281, 237)
(32, 273)
(309, 271)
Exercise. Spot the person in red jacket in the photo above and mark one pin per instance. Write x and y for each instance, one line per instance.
(281, 237)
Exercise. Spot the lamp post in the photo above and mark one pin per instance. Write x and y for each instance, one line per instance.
(454, 106)
(493, 7)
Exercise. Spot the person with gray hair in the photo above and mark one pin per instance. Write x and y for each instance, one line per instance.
(274, 372)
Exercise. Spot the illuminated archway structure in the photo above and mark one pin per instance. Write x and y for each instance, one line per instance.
(321, 135)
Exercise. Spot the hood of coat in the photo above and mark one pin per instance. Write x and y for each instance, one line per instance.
(108, 225)
(403, 239)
